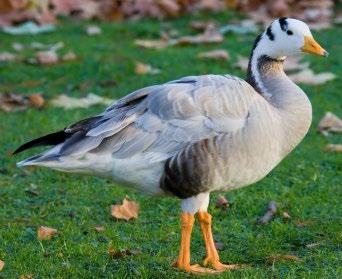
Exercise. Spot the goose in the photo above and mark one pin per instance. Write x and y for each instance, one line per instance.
(195, 135)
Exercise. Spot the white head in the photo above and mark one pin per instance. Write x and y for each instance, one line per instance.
(288, 36)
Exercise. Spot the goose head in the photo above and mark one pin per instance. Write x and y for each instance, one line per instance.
(288, 36)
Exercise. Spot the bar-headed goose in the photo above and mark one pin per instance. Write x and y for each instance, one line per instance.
(195, 135)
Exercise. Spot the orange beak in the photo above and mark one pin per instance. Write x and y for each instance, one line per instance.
(311, 46)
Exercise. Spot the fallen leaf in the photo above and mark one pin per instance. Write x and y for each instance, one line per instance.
(26, 276)
(69, 56)
(200, 25)
(7, 57)
(170, 7)
(275, 258)
(210, 35)
(118, 253)
(52, 47)
(127, 211)
(93, 30)
(242, 62)
(222, 202)
(334, 147)
(12, 102)
(36, 100)
(143, 69)
(17, 46)
(271, 211)
(99, 229)
(218, 54)
(67, 102)
(303, 223)
(47, 57)
(154, 44)
(29, 28)
(2, 264)
(46, 233)
(307, 76)
(313, 245)
(286, 215)
(243, 27)
(330, 123)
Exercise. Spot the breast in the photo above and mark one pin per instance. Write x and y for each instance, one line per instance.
(251, 153)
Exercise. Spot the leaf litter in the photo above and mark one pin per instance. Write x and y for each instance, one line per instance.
(217, 54)
(330, 123)
(270, 213)
(143, 69)
(46, 233)
(17, 102)
(66, 102)
(127, 210)
(119, 253)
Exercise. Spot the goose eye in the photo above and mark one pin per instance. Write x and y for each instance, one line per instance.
(289, 32)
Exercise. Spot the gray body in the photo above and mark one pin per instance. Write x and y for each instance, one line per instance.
(193, 135)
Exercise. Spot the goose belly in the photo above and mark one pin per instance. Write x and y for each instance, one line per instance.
(141, 171)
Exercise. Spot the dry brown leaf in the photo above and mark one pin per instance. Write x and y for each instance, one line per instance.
(93, 30)
(91, 99)
(47, 57)
(170, 7)
(99, 229)
(200, 25)
(154, 44)
(278, 8)
(334, 148)
(7, 57)
(118, 253)
(218, 54)
(46, 233)
(127, 211)
(143, 69)
(12, 102)
(242, 62)
(26, 276)
(18, 102)
(307, 76)
(275, 258)
(286, 215)
(271, 211)
(222, 202)
(2, 264)
(210, 35)
(36, 100)
(210, 5)
(330, 123)
(69, 56)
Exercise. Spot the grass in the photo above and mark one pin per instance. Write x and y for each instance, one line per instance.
(307, 184)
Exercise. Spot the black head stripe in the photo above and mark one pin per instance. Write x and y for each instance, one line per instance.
(269, 33)
(284, 25)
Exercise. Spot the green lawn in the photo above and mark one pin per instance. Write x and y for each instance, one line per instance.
(307, 184)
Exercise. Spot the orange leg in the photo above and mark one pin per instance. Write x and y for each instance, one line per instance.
(212, 257)
(183, 261)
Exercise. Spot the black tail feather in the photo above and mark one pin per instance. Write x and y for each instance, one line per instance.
(50, 139)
